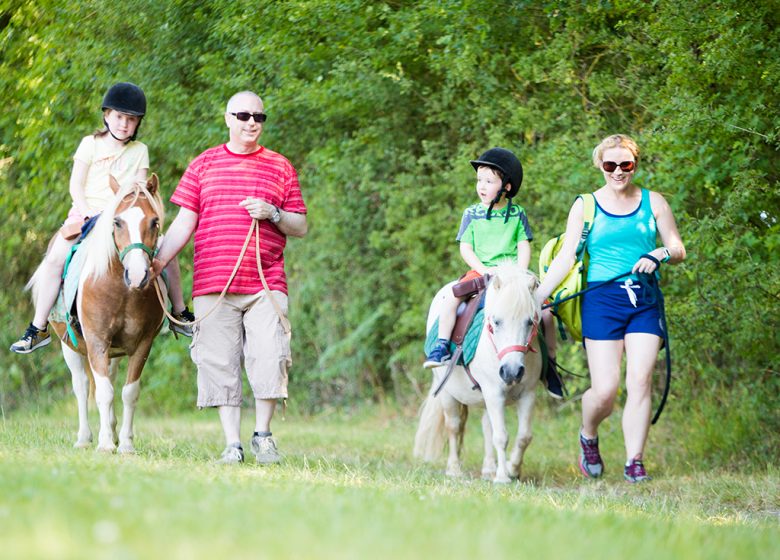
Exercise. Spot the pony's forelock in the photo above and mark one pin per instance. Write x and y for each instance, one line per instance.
(101, 247)
(512, 292)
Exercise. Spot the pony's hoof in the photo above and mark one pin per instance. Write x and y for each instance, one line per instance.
(107, 448)
(126, 449)
(502, 480)
(83, 443)
(454, 473)
(488, 474)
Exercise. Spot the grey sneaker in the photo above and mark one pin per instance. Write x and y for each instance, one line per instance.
(635, 472)
(32, 339)
(590, 461)
(232, 455)
(185, 316)
(264, 448)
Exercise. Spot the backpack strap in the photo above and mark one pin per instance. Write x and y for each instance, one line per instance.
(588, 214)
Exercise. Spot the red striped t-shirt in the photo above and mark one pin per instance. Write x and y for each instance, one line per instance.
(213, 186)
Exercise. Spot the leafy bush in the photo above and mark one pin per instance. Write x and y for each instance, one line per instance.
(380, 105)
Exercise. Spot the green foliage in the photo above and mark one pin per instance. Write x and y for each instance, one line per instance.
(380, 105)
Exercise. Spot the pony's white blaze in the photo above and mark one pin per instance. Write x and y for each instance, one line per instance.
(136, 262)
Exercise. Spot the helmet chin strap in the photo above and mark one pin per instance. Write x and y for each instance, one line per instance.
(124, 140)
(497, 199)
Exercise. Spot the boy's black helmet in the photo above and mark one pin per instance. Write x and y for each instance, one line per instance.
(506, 162)
(127, 98)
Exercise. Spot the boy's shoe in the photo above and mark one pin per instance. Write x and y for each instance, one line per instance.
(590, 461)
(635, 472)
(553, 381)
(184, 330)
(32, 339)
(264, 448)
(232, 455)
(439, 355)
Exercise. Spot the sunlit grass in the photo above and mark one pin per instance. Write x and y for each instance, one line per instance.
(349, 488)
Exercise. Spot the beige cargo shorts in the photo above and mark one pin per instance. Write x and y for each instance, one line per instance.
(244, 329)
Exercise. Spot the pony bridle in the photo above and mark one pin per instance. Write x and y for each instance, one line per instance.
(523, 348)
(150, 251)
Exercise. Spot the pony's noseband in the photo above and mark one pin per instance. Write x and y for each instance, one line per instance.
(524, 348)
(145, 248)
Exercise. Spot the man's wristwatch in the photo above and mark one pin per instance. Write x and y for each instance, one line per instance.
(276, 217)
(666, 255)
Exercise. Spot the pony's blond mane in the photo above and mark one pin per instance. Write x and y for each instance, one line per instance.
(100, 244)
(512, 292)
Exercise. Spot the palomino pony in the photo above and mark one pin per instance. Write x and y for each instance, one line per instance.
(506, 365)
(118, 310)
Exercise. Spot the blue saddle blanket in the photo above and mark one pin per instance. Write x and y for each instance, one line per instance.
(470, 341)
(70, 285)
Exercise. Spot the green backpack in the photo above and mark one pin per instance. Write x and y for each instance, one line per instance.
(568, 312)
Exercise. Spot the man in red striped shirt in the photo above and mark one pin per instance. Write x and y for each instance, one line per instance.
(220, 193)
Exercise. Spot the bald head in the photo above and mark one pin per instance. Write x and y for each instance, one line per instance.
(244, 100)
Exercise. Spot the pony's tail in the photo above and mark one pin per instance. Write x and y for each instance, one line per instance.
(34, 281)
(431, 434)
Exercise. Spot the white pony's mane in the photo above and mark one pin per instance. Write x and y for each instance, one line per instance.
(511, 293)
(100, 245)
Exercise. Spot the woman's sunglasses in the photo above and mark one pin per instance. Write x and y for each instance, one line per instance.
(610, 166)
(243, 116)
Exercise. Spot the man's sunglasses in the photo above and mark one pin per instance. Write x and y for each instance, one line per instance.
(610, 166)
(244, 116)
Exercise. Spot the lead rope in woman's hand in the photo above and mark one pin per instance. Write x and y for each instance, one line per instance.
(654, 295)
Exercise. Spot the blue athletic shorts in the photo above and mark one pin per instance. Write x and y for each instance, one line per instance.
(608, 313)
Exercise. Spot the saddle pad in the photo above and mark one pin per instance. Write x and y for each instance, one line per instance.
(70, 284)
(470, 341)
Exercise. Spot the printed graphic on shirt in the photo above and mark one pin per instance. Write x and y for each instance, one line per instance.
(493, 240)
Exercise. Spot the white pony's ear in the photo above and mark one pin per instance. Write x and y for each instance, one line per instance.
(533, 282)
(495, 281)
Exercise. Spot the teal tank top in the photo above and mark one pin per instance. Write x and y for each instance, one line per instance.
(616, 241)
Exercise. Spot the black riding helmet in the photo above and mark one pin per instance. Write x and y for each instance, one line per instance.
(127, 98)
(506, 162)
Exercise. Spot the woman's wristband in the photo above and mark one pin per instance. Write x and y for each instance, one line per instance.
(667, 255)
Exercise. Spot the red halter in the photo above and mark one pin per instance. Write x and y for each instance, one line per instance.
(524, 348)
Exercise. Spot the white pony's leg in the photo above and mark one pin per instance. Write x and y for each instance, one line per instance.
(525, 408)
(104, 397)
(112, 372)
(489, 462)
(454, 423)
(80, 383)
(495, 408)
(129, 399)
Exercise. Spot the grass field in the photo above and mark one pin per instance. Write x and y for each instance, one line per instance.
(349, 488)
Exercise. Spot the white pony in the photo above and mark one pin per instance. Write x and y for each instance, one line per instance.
(507, 365)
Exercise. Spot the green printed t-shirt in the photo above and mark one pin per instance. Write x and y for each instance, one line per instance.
(493, 240)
